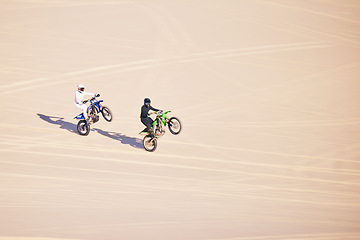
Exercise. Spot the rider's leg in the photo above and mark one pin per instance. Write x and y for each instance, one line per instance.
(149, 126)
(148, 123)
(84, 108)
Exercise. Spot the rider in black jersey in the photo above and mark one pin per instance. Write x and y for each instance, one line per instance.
(145, 119)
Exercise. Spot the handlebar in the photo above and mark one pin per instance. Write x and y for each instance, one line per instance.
(158, 113)
(96, 95)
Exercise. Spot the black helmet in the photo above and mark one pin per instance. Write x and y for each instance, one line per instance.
(147, 102)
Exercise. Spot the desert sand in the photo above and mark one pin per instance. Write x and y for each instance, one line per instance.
(267, 93)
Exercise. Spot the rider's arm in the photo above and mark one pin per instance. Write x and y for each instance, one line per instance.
(88, 93)
(154, 109)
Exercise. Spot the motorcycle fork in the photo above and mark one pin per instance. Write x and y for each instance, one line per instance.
(98, 108)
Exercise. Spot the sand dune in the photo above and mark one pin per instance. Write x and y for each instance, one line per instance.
(267, 92)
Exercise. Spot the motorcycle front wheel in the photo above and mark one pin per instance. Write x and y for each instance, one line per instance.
(174, 125)
(105, 111)
(149, 143)
(83, 128)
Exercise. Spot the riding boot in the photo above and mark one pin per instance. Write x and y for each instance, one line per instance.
(151, 133)
(88, 120)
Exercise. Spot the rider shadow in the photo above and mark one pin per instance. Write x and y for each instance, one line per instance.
(134, 142)
(59, 121)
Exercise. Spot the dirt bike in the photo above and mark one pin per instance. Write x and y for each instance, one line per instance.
(83, 126)
(158, 128)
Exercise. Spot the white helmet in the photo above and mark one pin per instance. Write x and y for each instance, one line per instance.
(81, 87)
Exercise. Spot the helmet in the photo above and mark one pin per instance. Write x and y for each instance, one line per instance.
(147, 101)
(80, 87)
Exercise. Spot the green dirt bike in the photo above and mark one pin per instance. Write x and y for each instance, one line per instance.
(158, 127)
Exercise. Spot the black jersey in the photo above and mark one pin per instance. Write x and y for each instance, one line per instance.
(145, 111)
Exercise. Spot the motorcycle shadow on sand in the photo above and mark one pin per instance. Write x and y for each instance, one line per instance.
(134, 142)
(58, 121)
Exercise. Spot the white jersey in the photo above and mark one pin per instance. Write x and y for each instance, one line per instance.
(79, 96)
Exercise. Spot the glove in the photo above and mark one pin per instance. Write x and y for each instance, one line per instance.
(97, 95)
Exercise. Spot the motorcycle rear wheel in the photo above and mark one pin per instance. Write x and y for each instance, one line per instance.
(83, 128)
(149, 143)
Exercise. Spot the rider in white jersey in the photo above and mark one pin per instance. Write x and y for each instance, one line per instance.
(79, 98)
